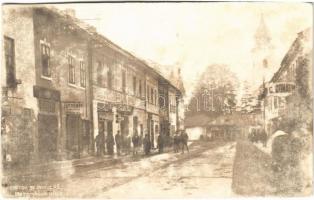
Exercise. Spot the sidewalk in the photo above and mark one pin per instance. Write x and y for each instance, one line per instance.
(69, 167)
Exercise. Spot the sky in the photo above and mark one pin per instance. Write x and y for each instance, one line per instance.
(196, 35)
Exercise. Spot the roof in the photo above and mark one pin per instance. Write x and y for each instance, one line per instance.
(91, 30)
(294, 49)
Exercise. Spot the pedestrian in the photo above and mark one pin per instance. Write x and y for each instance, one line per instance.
(110, 144)
(136, 143)
(264, 138)
(99, 144)
(160, 143)
(118, 140)
(184, 140)
(128, 140)
(176, 142)
(147, 144)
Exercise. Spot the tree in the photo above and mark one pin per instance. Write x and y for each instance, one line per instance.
(215, 91)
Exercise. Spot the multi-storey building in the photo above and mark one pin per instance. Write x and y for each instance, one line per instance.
(170, 101)
(63, 84)
(283, 84)
(19, 106)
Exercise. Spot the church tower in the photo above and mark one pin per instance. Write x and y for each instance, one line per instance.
(262, 54)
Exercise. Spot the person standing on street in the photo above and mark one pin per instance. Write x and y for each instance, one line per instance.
(118, 140)
(184, 140)
(160, 143)
(146, 142)
(99, 144)
(110, 144)
(176, 142)
(135, 141)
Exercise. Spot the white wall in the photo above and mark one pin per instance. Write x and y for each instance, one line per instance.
(195, 132)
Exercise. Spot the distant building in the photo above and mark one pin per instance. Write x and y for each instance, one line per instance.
(224, 127)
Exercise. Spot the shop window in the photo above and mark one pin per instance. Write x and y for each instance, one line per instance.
(82, 74)
(47, 106)
(71, 70)
(156, 129)
(45, 59)
(9, 61)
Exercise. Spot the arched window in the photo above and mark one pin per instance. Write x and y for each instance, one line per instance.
(265, 63)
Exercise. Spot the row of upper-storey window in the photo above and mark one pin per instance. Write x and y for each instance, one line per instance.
(119, 78)
(72, 63)
(106, 76)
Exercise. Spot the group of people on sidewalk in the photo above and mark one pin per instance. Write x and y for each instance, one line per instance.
(123, 143)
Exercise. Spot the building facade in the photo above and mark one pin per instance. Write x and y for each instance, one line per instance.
(64, 83)
(19, 106)
(283, 84)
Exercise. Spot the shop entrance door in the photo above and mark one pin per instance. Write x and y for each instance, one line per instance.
(124, 126)
(109, 127)
(73, 127)
(47, 131)
(101, 133)
(135, 124)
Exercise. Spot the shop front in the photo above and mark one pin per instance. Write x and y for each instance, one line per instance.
(48, 122)
(78, 135)
(153, 128)
(105, 122)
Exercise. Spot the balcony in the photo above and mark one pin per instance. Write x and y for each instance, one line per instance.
(280, 89)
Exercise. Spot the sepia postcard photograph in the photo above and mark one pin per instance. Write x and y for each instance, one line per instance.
(156, 99)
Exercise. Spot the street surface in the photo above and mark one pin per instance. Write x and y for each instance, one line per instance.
(205, 175)
(204, 172)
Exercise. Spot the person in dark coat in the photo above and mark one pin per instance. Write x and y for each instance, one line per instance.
(99, 144)
(118, 139)
(146, 142)
(184, 141)
(110, 144)
(160, 143)
(136, 143)
(263, 137)
(176, 142)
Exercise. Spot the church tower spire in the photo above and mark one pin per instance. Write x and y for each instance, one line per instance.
(262, 35)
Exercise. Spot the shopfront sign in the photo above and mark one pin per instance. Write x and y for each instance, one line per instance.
(107, 107)
(45, 93)
(73, 107)
(105, 116)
